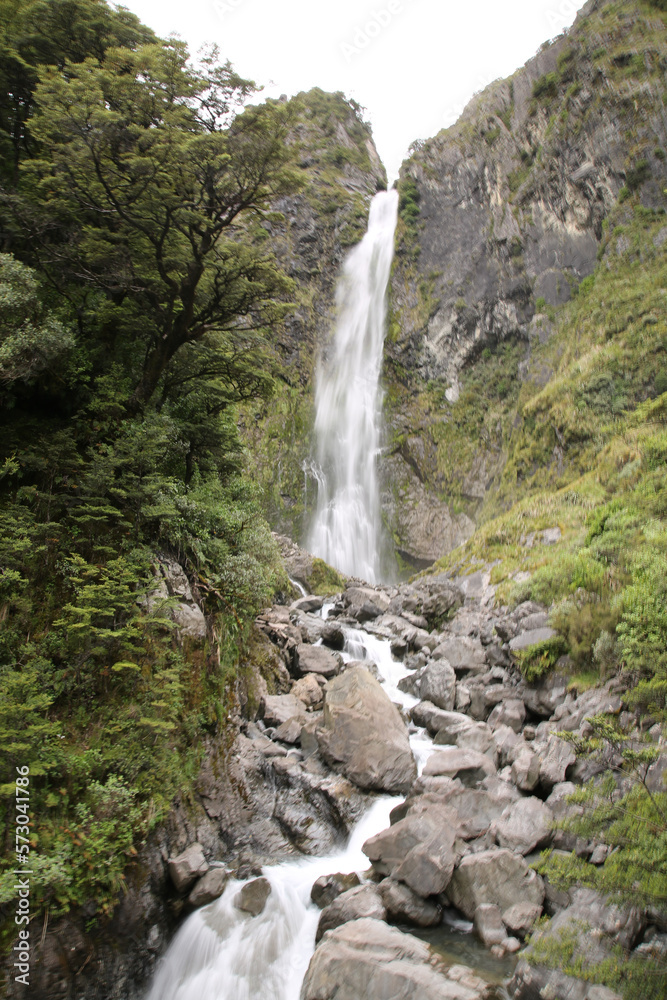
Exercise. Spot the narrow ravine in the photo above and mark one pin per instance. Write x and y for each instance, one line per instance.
(221, 953)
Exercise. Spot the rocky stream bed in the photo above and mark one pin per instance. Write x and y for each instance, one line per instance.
(404, 723)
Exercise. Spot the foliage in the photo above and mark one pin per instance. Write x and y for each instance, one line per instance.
(139, 303)
(623, 810)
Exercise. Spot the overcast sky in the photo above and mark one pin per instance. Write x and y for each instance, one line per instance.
(412, 64)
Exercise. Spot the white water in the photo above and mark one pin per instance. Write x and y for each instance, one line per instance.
(346, 532)
(223, 954)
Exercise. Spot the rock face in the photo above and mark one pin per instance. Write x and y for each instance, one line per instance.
(499, 237)
(364, 735)
(368, 959)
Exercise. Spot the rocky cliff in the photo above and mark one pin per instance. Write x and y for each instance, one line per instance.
(502, 216)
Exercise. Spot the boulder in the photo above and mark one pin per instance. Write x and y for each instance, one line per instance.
(364, 734)
(186, 868)
(488, 924)
(533, 637)
(438, 684)
(496, 876)
(353, 904)
(520, 917)
(450, 724)
(560, 756)
(290, 731)
(417, 850)
(477, 736)
(209, 887)
(360, 595)
(308, 690)
(525, 826)
(463, 653)
(329, 887)
(333, 636)
(526, 771)
(317, 660)
(309, 603)
(469, 766)
(278, 708)
(253, 896)
(426, 714)
(368, 959)
(404, 905)
(510, 712)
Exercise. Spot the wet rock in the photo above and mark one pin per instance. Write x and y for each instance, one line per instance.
(437, 684)
(253, 896)
(309, 603)
(366, 958)
(354, 904)
(186, 868)
(399, 648)
(559, 758)
(525, 826)
(488, 924)
(520, 917)
(278, 708)
(469, 766)
(209, 887)
(329, 887)
(364, 734)
(404, 905)
(496, 876)
(510, 712)
(317, 660)
(333, 636)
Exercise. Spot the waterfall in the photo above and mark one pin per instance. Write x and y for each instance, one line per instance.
(346, 532)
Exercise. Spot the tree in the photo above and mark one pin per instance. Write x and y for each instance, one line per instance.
(144, 205)
(37, 33)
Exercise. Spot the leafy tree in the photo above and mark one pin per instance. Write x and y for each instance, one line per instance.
(37, 33)
(142, 206)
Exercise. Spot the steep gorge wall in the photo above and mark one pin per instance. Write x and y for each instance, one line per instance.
(502, 217)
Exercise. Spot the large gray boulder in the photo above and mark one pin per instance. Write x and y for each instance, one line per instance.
(364, 735)
(558, 760)
(438, 684)
(367, 959)
(469, 766)
(417, 850)
(361, 901)
(209, 887)
(278, 708)
(402, 904)
(186, 868)
(495, 876)
(465, 655)
(317, 660)
(252, 897)
(525, 826)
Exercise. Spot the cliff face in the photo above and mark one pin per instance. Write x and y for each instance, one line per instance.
(502, 217)
(336, 158)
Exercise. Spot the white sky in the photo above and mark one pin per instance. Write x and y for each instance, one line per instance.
(412, 64)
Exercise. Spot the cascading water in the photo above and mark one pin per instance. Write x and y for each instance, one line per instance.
(221, 953)
(346, 532)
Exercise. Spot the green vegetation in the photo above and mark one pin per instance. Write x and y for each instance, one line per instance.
(139, 308)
